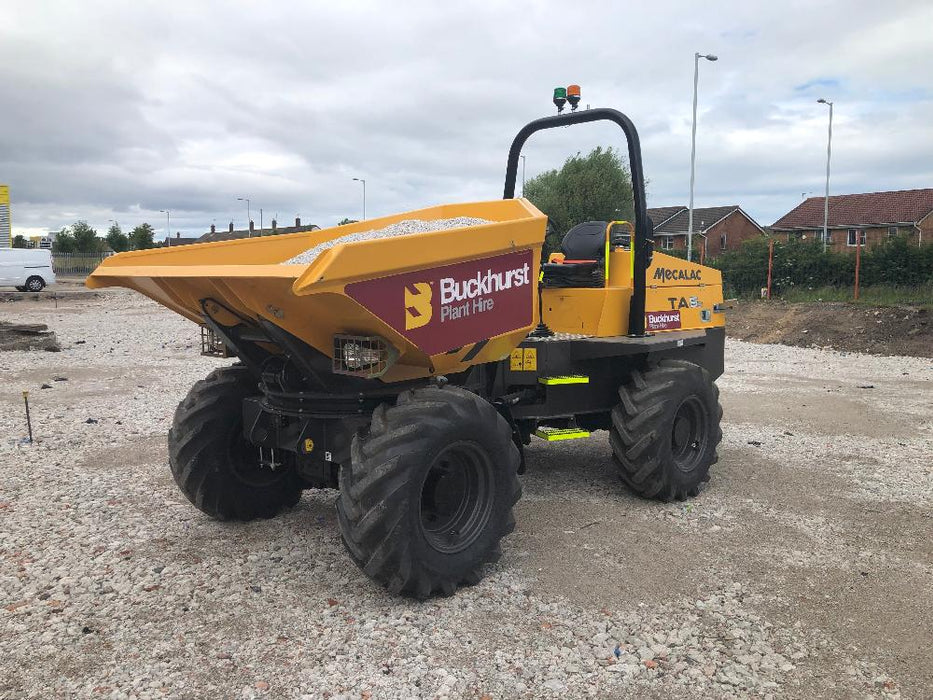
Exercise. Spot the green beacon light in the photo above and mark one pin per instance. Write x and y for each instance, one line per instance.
(560, 98)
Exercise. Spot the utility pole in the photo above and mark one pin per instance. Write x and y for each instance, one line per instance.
(829, 153)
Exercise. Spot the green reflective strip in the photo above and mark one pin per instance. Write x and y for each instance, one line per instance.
(552, 434)
(572, 379)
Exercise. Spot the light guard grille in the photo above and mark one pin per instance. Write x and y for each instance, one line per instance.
(362, 355)
(212, 345)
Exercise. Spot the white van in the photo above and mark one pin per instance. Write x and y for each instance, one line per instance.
(27, 270)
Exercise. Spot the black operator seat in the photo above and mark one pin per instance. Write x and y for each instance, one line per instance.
(584, 249)
(586, 241)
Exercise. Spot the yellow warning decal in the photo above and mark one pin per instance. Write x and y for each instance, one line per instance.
(531, 360)
(516, 362)
(523, 360)
(309, 445)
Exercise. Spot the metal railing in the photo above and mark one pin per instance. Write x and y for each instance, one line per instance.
(76, 263)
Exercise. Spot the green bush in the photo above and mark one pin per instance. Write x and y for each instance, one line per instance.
(802, 263)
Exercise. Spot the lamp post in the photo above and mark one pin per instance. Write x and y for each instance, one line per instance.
(359, 179)
(523, 175)
(693, 145)
(168, 226)
(829, 152)
(248, 217)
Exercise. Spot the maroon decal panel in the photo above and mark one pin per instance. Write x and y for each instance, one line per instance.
(442, 308)
(662, 320)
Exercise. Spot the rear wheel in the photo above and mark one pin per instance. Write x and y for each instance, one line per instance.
(35, 284)
(217, 469)
(665, 430)
(429, 491)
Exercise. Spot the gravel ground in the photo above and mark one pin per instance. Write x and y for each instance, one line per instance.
(402, 228)
(804, 570)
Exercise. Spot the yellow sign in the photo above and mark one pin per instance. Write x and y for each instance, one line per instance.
(531, 360)
(309, 445)
(515, 360)
(523, 360)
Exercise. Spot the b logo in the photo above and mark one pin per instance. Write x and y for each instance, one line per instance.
(418, 309)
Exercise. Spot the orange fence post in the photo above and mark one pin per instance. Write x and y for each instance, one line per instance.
(858, 260)
(770, 264)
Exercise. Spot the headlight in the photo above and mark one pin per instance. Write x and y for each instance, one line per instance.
(357, 356)
(362, 356)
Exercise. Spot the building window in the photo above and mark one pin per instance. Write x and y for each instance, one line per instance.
(722, 241)
(667, 242)
(892, 231)
(855, 234)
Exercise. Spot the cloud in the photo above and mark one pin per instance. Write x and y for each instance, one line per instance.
(119, 110)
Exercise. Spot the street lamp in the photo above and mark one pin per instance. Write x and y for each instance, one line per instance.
(693, 146)
(358, 179)
(168, 226)
(248, 217)
(829, 152)
(523, 175)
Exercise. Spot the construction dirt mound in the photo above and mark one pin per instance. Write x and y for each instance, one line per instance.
(29, 336)
(888, 330)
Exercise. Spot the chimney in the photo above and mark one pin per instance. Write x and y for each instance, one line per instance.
(251, 226)
(213, 228)
(297, 221)
(273, 225)
(177, 234)
(231, 227)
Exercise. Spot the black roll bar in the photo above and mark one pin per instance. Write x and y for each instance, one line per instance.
(636, 321)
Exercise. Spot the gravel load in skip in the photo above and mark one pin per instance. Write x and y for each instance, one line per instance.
(803, 570)
(402, 228)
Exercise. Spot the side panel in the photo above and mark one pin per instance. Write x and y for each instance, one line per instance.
(442, 308)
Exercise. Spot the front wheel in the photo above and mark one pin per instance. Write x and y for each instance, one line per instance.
(665, 430)
(217, 469)
(429, 491)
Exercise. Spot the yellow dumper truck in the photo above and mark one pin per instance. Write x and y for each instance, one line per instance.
(408, 366)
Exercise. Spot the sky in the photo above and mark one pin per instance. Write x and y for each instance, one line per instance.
(116, 110)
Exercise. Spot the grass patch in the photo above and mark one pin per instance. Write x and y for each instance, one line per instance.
(878, 295)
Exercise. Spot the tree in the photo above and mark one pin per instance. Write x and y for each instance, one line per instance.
(345, 221)
(141, 237)
(64, 242)
(116, 239)
(85, 237)
(19, 241)
(595, 187)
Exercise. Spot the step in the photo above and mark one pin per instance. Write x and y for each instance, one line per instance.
(569, 379)
(552, 434)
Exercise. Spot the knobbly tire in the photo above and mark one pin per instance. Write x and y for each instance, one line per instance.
(214, 465)
(665, 430)
(429, 491)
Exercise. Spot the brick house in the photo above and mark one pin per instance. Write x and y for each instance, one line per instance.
(868, 218)
(715, 229)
